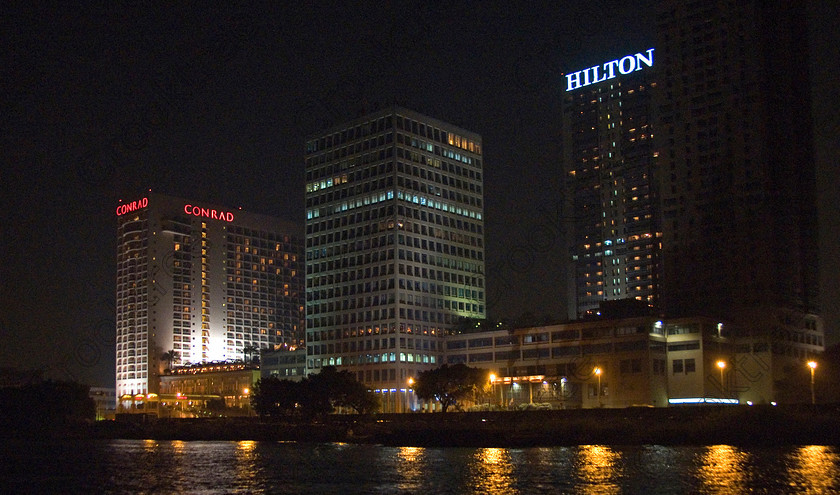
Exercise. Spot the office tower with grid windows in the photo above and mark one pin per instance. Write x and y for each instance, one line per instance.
(200, 283)
(736, 170)
(394, 246)
(608, 162)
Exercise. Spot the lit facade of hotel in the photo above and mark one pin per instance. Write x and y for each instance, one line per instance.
(608, 161)
(700, 151)
(394, 245)
(203, 282)
(690, 173)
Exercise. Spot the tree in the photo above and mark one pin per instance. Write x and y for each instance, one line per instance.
(449, 384)
(343, 390)
(169, 356)
(314, 396)
(273, 397)
(249, 350)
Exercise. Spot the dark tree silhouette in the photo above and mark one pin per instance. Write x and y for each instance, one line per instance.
(450, 385)
(343, 390)
(249, 350)
(314, 396)
(169, 357)
(273, 397)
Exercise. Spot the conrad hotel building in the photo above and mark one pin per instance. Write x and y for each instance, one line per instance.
(394, 245)
(200, 283)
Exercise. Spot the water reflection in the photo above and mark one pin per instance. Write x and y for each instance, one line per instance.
(491, 471)
(410, 468)
(723, 469)
(178, 446)
(247, 465)
(598, 469)
(210, 468)
(813, 469)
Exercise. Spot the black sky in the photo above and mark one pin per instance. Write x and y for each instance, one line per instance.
(215, 105)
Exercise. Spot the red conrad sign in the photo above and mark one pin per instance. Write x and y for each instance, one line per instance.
(198, 211)
(133, 206)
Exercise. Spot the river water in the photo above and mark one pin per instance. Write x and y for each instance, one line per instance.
(152, 466)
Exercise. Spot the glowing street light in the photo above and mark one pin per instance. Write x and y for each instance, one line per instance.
(408, 390)
(598, 374)
(493, 387)
(722, 365)
(813, 366)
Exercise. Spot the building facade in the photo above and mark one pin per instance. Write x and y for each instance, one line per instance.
(285, 363)
(199, 390)
(690, 172)
(608, 162)
(394, 244)
(199, 283)
(735, 166)
(639, 361)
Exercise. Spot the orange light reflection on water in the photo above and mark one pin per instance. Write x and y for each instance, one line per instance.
(599, 469)
(491, 472)
(813, 469)
(722, 469)
(246, 461)
(411, 468)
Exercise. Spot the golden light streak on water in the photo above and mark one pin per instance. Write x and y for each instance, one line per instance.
(598, 468)
(410, 467)
(246, 462)
(812, 469)
(722, 469)
(491, 471)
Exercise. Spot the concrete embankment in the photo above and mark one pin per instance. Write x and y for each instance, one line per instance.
(739, 425)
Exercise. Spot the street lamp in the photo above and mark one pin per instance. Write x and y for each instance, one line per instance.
(813, 366)
(598, 374)
(407, 392)
(722, 365)
(492, 386)
(563, 392)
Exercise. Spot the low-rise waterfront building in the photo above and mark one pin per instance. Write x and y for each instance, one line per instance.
(641, 361)
(194, 390)
(105, 399)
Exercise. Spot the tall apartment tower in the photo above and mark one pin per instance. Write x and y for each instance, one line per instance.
(394, 245)
(608, 162)
(736, 173)
(203, 282)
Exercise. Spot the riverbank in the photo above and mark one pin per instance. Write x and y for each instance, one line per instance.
(734, 425)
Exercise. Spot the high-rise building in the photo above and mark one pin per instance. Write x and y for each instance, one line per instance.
(608, 163)
(736, 173)
(199, 283)
(394, 245)
(700, 152)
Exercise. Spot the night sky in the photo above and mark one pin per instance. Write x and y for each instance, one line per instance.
(215, 105)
